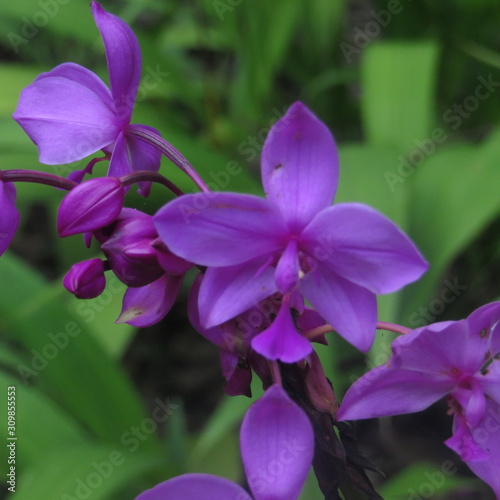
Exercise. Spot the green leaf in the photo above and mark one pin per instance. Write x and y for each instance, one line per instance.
(398, 81)
(455, 197)
(424, 480)
(65, 360)
(86, 471)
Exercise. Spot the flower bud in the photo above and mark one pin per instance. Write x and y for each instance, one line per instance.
(90, 206)
(86, 279)
(130, 253)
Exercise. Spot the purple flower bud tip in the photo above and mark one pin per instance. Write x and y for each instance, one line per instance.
(86, 279)
(90, 206)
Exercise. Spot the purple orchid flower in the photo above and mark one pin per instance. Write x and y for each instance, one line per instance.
(69, 113)
(9, 219)
(293, 242)
(277, 446)
(457, 359)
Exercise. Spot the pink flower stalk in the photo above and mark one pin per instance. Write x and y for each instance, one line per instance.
(277, 447)
(456, 359)
(293, 242)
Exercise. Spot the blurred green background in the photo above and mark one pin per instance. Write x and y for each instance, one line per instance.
(411, 91)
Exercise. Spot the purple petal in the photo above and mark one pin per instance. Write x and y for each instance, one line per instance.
(124, 60)
(143, 155)
(83, 76)
(384, 391)
(363, 246)
(238, 378)
(300, 166)
(282, 340)
(169, 261)
(119, 164)
(287, 270)
(439, 348)
(490, 382)
(9, 215)
(462, 442)
(147, 305)
(86, 279)
(277, 446)
(195, 487)
(220, 229)
(90, 206)
(487, 435)
(229, 291)
(485, 323)
(349, 308)
(66, 119)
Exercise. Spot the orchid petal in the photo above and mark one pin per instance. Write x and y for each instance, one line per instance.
(282, 340)
(364, 247)
(124, 60)
(86, 280)
(490, 382)
(143, 156)
(90, 206)
(119, 164)
(485, 323)
(384, 391)
(277, 446)
(83, 76)
(220, 229)
(287, 270)
(349, 308)
(147, 305)
(195, 487)
(227, 292)
(439, 348)
(9, 215)
(300, 166)
(462, 442)
(487, 434)
(65, 119)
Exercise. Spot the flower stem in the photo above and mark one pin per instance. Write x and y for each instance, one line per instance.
(36, 177)
(275, 372)
(170, 152)
(148, 176)
(390, 327)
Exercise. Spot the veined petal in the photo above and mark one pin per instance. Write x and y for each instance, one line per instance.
(220, 229)
(300, 166)
(83, 76)
(282, 340)
(490, 382)
(462, 442)
(349, 308)
(119, 164)
(384, 391)
(287, 270)
(146, 305)
(9, 215)
(143, 156)
(277, 446)
(485, 323)
(124, 60)
(439, 348)
(66, 119)
(363, 246)
(487, 435)
(228, 291)
(196, 487)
